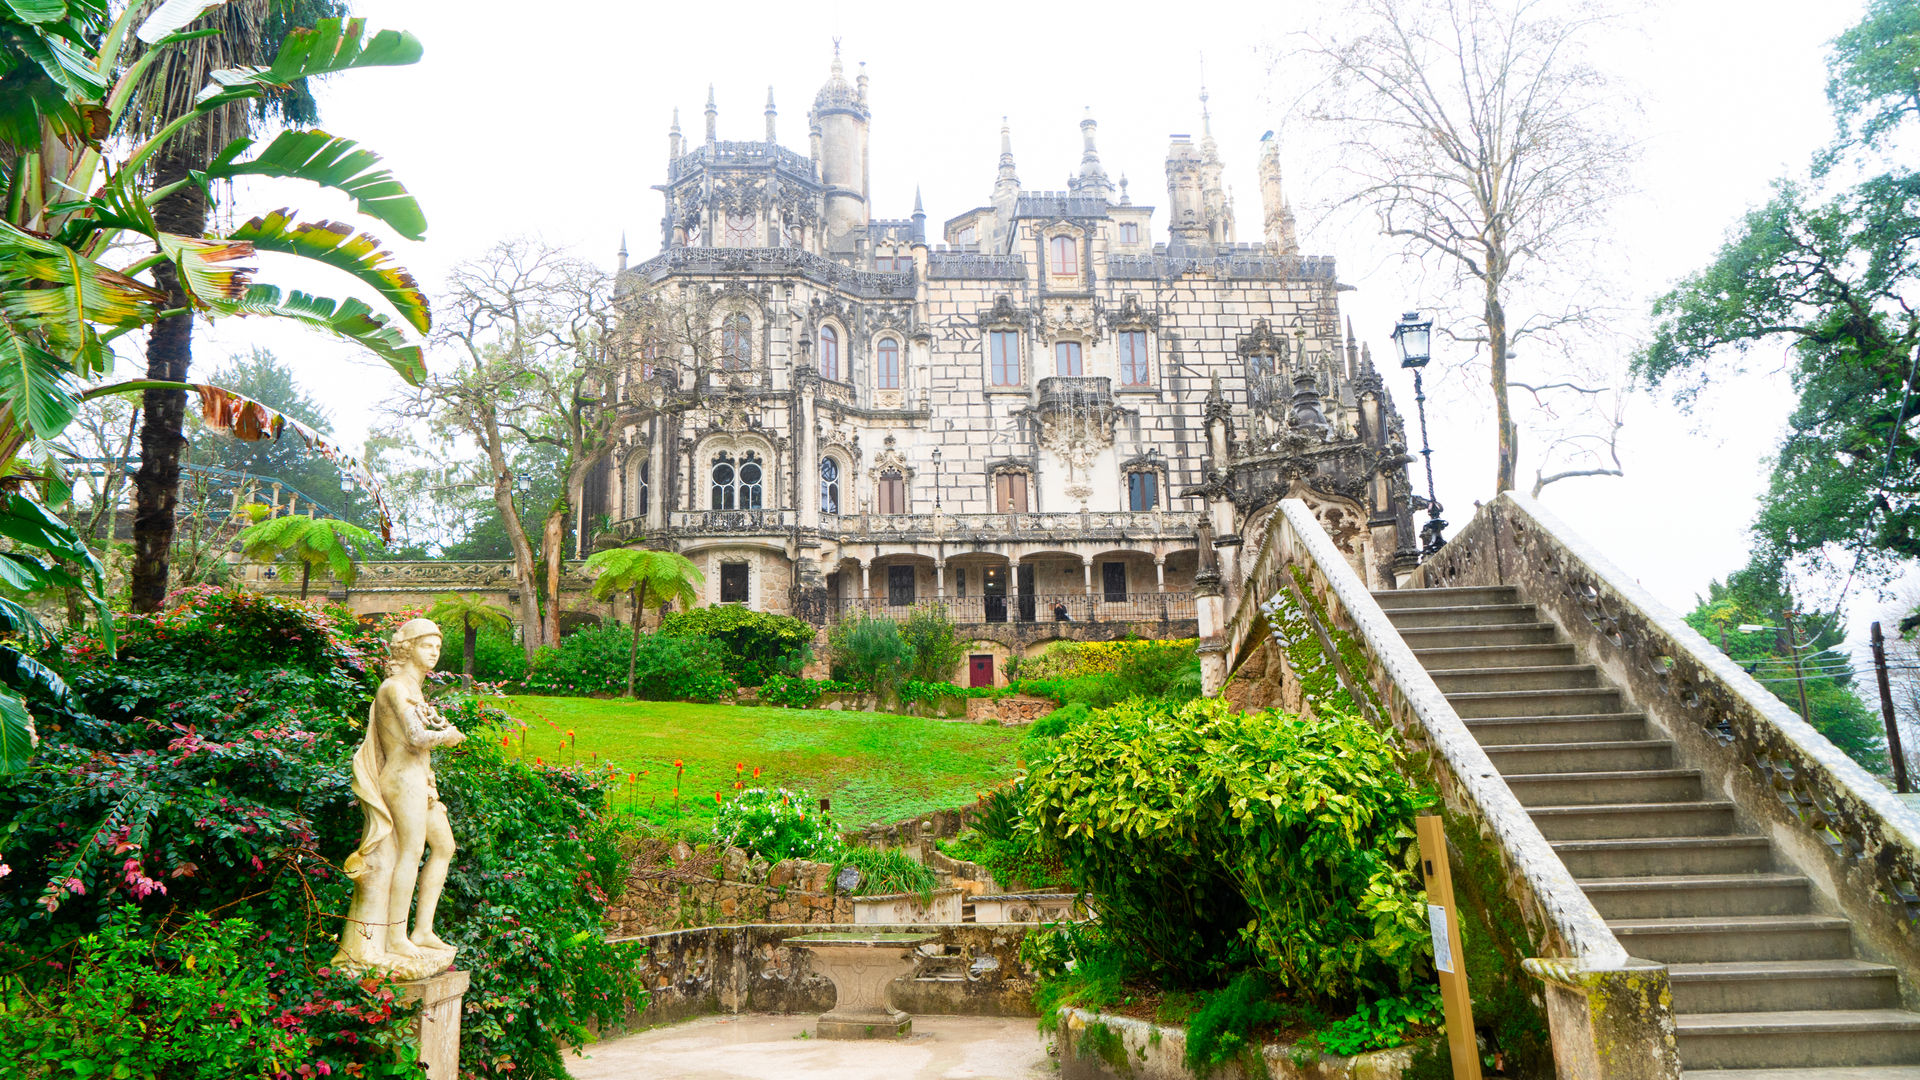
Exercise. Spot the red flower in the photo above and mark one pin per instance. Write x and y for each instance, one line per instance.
(676, 763)
(716, 798)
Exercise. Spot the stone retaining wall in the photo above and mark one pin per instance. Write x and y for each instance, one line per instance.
(705, 890)
(967, 970)
(1009, 711)
(1130, 1049)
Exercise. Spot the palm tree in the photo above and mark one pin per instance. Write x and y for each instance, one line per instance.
(471, 613)
(666, 575)
(313, 542)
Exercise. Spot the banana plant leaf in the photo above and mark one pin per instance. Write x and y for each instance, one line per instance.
(34, 383)
(331, 45)
(17, 737)
(348, 318)
(203, 267)
(335, 244)
(330, 161)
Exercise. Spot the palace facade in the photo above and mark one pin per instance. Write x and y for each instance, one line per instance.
(1061, 416)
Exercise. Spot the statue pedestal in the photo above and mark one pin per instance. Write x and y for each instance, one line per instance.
(862, 967)
(438, 1034)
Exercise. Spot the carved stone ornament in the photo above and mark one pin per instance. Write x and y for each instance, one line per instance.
(1262, 340)
(1133, 316)
(891, 458)
(1003, 313)
(741, 194)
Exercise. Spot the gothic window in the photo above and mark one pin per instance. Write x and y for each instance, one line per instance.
(888, 377)
(750, 486)
(891, 493)
(1066, 358)
(737, 486)
(740, 230)
(723, 482)
(642, 488)
(736, 343)
(1010, 493)
(885, 262)
(829, 353)
(1064, 256)
(1133, 358)
(829, 486)
(900, 586)
(1005, 346)
(733, 583)
(1129, 232)
(967, 235)
(1143, 491)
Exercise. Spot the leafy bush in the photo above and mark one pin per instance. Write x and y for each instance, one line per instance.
(1095, 691)
(870, 651)
(197, 1003)
(1055, 724)
(496, 658)
(938, 648)
(775, 825)
(1379, 1024)
(790, 692)
(758, 643)
(206, 770)
(999, 841)
(884, 873)
(913, 690)
(666, 668)
(1215, 841)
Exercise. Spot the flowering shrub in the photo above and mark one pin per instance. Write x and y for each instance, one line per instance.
(206, 770)
(775, 824)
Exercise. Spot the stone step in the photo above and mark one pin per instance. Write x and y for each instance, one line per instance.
(1719, 938)
(1495, 656)
(1540, 677)
(1665, 856)
(1622, 821)
(1834, 1073)
(1504, 731)
(1800, 1038)
(1571, 757)
(1592, 701)
(1699, 894)
(1606, 788)
(1466, 615)
(1423, 638)
(1767, 985)
(1470, 596)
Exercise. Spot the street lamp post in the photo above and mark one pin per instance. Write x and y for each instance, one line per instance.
(1414, 338)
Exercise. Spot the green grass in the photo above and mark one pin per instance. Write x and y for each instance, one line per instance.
(876, 767)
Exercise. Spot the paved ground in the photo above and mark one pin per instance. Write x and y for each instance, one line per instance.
(769, 1048)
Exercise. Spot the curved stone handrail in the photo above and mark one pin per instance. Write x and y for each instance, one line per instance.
(1539, 883)
(1855, 838)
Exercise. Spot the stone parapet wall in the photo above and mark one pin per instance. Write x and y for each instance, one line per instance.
(1009, 711)
(967, 970)
(1137, 1050)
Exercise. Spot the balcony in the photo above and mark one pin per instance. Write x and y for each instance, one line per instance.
(1088, 525)
(731, 521)
(1065, 609)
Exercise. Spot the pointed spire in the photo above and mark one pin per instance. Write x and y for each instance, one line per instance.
(1092, 179)
(675, 146)
(713, 116)
(919, 218)
(623, 249)
(861, 82)
(770, 115)
(1007, 177)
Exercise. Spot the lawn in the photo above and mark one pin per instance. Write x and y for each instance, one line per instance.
(876, 767)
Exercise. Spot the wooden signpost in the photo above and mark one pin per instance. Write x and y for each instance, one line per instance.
(1448, 958)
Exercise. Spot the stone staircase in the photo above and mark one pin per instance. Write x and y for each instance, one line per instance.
(1765, 984)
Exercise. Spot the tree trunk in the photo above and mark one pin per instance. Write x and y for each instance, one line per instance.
(633, 656)
(466, 658)
(306, 574)
(1509, 453)
(162, 438)
(553, 540)
(522, 551)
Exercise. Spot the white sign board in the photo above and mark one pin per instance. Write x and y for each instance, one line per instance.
(1442, 947)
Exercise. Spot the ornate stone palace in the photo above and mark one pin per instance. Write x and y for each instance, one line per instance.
(1055, 421)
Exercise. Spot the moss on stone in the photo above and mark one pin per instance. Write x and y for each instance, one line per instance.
(1506, 1006)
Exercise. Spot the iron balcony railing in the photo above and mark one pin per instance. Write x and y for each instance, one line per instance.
(1063, 608)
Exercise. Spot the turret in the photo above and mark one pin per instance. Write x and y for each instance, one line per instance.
(1092, 179)
(771, 138)
(623, 252)
(1219, 208)
(841, 116)
(919, 218)
(1188, 218)
(1006, 182)
(713, 118)
(675, 145)
(1280, 232)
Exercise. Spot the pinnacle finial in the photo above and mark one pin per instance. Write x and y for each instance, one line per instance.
(917, 208)
(675, 129)
(710, 104)
(837, 69)
(769, 99)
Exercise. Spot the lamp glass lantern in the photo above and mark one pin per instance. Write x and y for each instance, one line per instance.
(1414, 338)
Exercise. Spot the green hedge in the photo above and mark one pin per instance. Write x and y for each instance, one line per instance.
(758, 644)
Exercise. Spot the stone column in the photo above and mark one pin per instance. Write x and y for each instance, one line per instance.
(807, 467)
(438, 1033)
(1160, 573)
(866, 581)
(1086, 568)
(940, 578)
(657, 486)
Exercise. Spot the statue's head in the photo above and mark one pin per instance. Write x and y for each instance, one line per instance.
(417, 640)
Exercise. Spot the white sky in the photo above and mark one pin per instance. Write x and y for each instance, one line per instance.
(551, 119)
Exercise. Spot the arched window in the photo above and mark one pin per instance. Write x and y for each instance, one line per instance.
(641, 489)
(829, 353)
(736, 343)
(1064, 255)
(888, 377)
(1143, 491)
(740, 230)
(892, 493)
(723, 482)
(750, 487)
(1066, 359)
(829, 486)
(1004, 369)
(1133, 358)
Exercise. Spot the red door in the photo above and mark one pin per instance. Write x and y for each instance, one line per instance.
(980, 669)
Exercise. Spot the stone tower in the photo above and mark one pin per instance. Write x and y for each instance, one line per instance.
(840, 117)
(1280, 233)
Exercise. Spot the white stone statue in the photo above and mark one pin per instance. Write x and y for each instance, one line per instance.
(404, 818)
